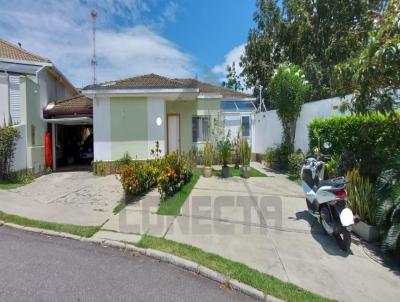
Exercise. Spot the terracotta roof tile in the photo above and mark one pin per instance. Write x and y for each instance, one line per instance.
(79, 105)
(13, 52)
(154, 81)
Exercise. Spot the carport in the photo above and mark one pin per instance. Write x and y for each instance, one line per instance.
(70, 123)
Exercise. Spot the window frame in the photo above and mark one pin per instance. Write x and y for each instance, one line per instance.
(202, 117)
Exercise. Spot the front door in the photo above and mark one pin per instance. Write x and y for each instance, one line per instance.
(173, 127)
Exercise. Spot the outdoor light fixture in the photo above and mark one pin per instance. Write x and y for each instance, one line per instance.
(159, 121)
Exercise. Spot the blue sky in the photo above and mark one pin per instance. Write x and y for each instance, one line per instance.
(177, 38)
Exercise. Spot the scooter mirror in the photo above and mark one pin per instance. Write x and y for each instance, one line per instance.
(327, 145)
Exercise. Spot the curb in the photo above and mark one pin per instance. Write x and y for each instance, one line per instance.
(161, 256)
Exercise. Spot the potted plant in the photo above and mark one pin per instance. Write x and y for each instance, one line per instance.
(245, 152)
(208, 160)
(225, 150)
(362, 203)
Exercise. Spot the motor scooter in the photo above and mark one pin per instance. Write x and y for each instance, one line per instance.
(327, 199)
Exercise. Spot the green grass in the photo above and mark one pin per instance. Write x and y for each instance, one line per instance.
(119, 207)
(238, 172)
(5, 185)
(173, 204)
(84, 231)
(266, 283)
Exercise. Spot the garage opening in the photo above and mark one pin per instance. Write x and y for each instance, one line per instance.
(74, 147)
(71, 127)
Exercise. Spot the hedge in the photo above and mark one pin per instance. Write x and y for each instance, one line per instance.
(364, 141)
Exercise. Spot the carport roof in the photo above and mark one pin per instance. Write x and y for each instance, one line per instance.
(77, 106)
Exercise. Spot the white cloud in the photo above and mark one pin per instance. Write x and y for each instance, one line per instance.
(232, 56)
(61, 31)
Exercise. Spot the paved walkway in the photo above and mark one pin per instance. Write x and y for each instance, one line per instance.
(66, 197)
(263, 223)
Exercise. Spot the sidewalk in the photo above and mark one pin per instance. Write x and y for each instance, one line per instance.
(294, 249)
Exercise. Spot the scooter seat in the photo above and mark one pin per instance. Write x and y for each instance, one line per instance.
(336, 182)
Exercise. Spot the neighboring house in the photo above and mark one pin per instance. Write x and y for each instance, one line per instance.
(237, 116)
(131, 115)
(28, 83)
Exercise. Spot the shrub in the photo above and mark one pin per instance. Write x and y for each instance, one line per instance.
(137, 177)
(388, 213)
(277, 157)
(176, 171)
(208, 155)
(332, 167)
(245, 152)
(124, 160)
(8, 140)
(365, 142)
(361, 197)
(295, 162)
(225, 150)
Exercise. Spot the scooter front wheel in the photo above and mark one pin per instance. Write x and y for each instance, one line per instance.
(343, 238)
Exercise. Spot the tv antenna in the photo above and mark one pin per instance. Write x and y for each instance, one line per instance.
(93, 13)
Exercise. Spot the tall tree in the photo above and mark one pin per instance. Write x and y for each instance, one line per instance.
(314, 34)
(233, 79)
(374, 75)
(263, 51)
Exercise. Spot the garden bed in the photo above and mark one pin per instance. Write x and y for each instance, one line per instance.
(238, 172)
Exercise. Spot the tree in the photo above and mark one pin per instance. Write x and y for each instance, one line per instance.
(263, 50)
(314, 34)
(288, 89)
(233, 80)
(374, 75)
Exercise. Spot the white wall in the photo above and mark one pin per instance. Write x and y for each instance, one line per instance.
(20, 162)
(156, 109)
(102, 128)
(267, 128)
(4, 112)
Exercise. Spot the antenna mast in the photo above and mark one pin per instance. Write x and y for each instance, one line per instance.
(93, 13)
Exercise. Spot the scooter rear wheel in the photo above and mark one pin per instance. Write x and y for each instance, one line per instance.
(343, 238)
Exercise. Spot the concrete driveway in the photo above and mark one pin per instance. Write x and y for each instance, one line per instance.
(263, 223)
(66, 197)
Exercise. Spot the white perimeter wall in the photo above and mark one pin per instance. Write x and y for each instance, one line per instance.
(20, 162)
(102, 128)
(267, 128)
(156, 109)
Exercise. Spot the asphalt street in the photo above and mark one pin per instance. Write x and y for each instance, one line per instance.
(35, 267)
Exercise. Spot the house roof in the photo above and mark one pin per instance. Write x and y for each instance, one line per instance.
(79, 105)
(13, 52)
(154, 81)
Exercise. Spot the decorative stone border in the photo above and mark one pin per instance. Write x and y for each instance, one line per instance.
(161, 256)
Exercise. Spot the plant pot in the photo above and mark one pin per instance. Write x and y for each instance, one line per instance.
(225, 172)
(246, 171)
(368, 232)
(207, 171)
(276, 165)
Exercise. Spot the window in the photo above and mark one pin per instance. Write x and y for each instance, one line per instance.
(246, 125)
(200, 128)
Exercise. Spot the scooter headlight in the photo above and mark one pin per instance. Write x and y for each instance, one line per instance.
(346, 217)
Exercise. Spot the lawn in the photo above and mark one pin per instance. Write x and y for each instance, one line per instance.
(173, 204)
(84, 231)
(6, 185)
(266, 283)
(238, 172)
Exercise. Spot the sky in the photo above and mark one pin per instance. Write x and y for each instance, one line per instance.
(174, 38)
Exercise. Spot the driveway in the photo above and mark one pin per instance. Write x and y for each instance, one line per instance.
(263, 223)
(67, 197)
